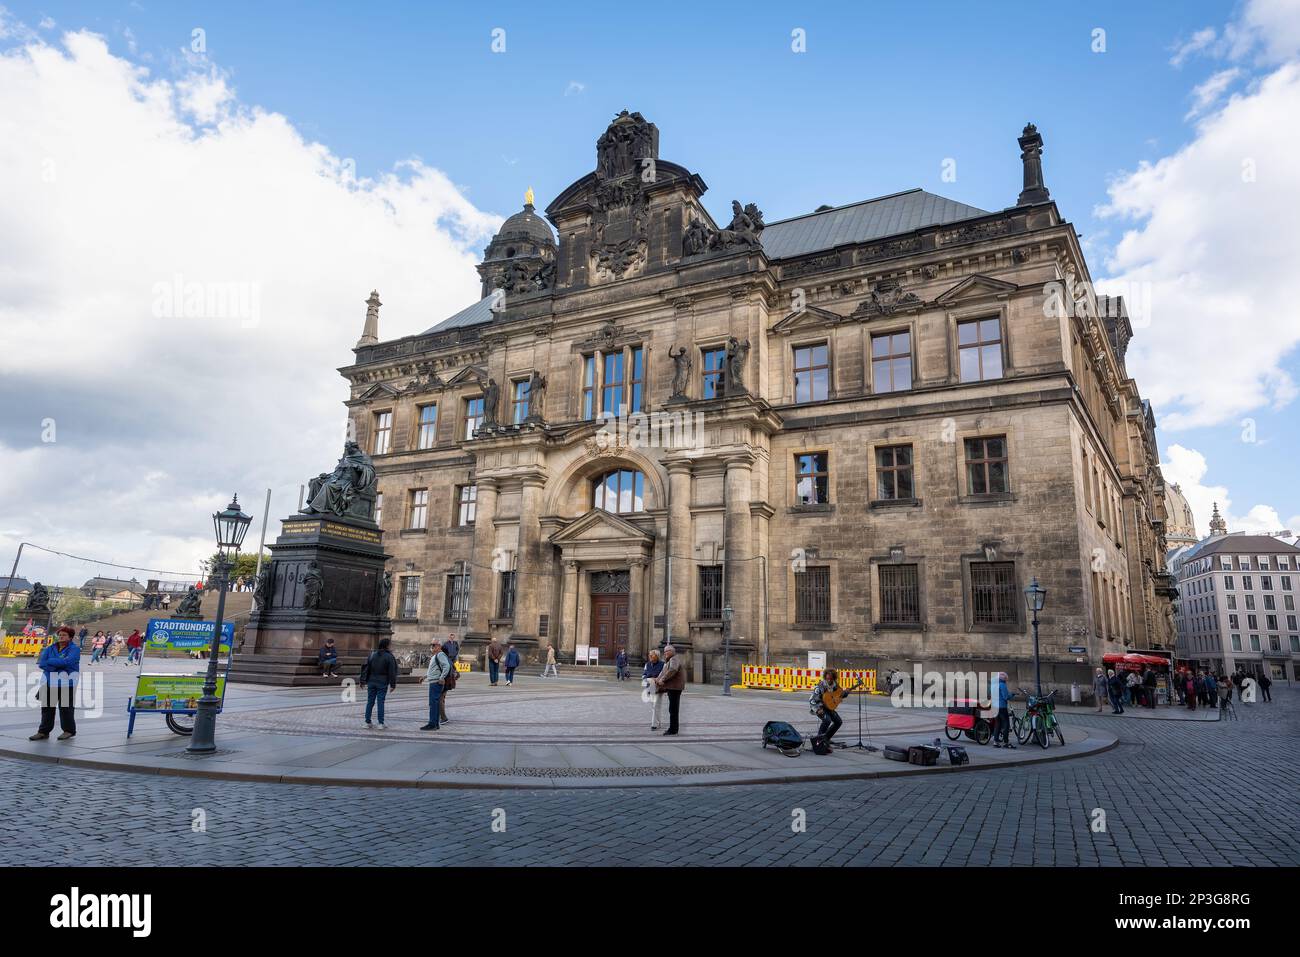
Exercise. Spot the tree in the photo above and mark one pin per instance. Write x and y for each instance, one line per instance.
(245, 565)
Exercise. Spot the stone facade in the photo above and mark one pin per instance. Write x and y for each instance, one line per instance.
(865, 430)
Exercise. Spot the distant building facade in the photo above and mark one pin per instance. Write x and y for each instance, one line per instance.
(1237, 603)
(864, 430)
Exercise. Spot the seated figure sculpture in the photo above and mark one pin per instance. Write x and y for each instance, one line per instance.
(347, 491)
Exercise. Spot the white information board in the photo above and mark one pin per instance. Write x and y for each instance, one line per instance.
(593, 655)
(580, 655)
(817, 661)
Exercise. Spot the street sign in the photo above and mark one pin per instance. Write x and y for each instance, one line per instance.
(1078, 650)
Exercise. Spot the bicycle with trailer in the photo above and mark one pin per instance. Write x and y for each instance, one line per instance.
(965, 716)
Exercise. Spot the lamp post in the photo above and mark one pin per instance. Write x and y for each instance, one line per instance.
(1035, 597)
(727, 612)
(230, 525)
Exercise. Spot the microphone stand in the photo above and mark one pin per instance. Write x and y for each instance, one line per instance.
(859, 746)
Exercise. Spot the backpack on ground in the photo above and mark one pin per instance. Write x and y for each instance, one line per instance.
(820, 745)
(784, 737)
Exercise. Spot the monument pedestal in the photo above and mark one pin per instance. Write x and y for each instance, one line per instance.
(325, 580)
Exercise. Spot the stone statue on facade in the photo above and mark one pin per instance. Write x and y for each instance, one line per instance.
(39, 600)
(746, 224)
(191, 605)
(628, 140)
(491, 404)
(262, 591)
(385, 590)
(737, 350)
(697, 238)
(347, 491)
(313, 585)
(536, 396)
(681, 371)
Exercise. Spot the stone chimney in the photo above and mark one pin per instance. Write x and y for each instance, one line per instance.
(370, 334)
(1031, 155)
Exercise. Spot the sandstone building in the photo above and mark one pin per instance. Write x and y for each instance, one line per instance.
(864, 429)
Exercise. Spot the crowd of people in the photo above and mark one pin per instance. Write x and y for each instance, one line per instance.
(1190, 686)
(109, 647)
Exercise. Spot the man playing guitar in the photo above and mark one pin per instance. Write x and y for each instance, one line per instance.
(824, 701)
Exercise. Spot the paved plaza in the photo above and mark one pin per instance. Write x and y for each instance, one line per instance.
(1171, 791)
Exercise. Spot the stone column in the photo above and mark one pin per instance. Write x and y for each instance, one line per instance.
(680, 547)
(482, 577)
(568, 613)
(739, 568)
(636, 608)
(530, 564)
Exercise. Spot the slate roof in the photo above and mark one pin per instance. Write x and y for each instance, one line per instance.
(14, 584)
(855, 223)
(862, 222)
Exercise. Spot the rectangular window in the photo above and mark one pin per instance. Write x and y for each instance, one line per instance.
(636, 384)
(1270, 622)
(410, 606)
(1232, 603)
(1245, 583)
(995, 600)
(428, 436)
(813, 483)
(417, 515)
(1266, 582)
(979, 344)
(986, 466)
(588, 387)
(1236, 642)
(1254, 642)
(1233, 621)
(473, 416)
(715, 376)
(1291, 622)
(455, 605)
(900, 595)
(894, 473)
(466, 504)
(519, 400)
(1274, 643)
(1286, 582)
(1270, 603)
(891, 362)
(812, 373)
(383, 433)
(710, 592)
(1252, 621)
(1295, 644)
(812, 596)
(506, 604)
(1288, 603)
(1227, 582)
(611, 393)
(1250, 603)
(379, 507)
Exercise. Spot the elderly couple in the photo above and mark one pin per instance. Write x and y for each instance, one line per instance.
(660, 679)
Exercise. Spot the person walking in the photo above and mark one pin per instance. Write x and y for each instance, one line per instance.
(1265, 682)
(379, 675)
(328, 659)
(436, 676)
(1100, 688)
(81, 636)
(654, 666)
(1131, 684)
(60, 665)
(1225, 694)
(620, 664)
(1116, 687)
(1211, 690)
(1002, 701)
(512, 662)
(135, 647)
(115, 644)
(672, 681)
(550, 671)
(1189, 690)
(97, 647)
(1149, 687)
(494, 662)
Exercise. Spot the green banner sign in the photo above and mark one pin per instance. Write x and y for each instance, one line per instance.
(172, 692)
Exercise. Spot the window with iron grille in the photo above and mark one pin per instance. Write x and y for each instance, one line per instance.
(506, 604)
(986, 465)
(894, 472)
(456, 603)
(410, 607)
(715, 377)
(812, 596)
(710, 592)
(995, 600)
(543, 626)
(900, 595)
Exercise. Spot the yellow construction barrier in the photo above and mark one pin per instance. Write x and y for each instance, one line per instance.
(803, 679)
(462, 666)
(22, 646)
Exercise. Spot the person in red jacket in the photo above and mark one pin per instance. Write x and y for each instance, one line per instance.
(134, 645)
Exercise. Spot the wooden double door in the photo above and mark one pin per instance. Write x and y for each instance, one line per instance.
(609, 625)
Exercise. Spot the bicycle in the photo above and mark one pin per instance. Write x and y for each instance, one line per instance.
(1040, 721)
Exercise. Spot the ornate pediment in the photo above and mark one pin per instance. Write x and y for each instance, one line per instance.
(811, 317)
(471, 374)
(886, 298)
(975, 288)
(380, 390)
(599, 525)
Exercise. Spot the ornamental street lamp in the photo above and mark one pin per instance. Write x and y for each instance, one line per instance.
(1035, 597)
(230, 525)
(727, 613)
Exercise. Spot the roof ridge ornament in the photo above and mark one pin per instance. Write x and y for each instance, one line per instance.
(1031, 157)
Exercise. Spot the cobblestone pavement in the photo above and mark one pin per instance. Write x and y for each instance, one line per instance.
(1173, 793)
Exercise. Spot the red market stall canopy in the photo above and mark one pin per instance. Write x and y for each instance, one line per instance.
(1135, 660)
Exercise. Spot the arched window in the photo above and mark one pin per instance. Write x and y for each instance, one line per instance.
(621, 491)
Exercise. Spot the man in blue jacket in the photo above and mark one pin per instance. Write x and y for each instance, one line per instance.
(60, 665)
(1001, 698)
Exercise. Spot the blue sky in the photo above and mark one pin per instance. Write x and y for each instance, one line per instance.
(884, 94)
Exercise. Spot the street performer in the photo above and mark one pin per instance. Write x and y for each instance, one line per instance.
(824, 702)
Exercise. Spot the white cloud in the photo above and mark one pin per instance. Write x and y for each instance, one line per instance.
(1188, 468)
(1273, 25)
(113, 183)
(1205, 95)
(1198, 42)
(1223, 314)
(574, 88)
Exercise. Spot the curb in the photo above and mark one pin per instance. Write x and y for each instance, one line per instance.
(745, 777)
